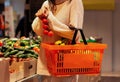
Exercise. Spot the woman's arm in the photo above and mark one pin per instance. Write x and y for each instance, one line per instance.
(37, 26)
(77, 14)
(59, 28)
(37, 23)
(76, 20)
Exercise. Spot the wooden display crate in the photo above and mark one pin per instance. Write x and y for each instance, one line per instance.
(4, 70)
(22, 69)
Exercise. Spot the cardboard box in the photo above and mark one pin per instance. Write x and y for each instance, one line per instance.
(30, 68)
(22, 69)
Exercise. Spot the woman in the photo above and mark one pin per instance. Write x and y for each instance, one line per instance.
(61, 15)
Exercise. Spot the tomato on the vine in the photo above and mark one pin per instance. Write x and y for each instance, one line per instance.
(50, 33)
(45, 21)
(45, 32)
(45, 26)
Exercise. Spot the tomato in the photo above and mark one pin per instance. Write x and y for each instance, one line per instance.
(1, 43)
(11, 70)
(13, 59)
(45, 21)
(50, 33)
(16, 45)
(36, 49)
(45, 32)
(45, 26)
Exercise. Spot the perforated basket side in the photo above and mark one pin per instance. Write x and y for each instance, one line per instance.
(65, 62)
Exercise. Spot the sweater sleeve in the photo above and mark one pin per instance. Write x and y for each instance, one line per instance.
(59, 28)
(37, 24)
(77, 14)
(76, 20)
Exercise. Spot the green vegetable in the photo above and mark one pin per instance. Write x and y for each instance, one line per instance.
(31, 55)
(8, 50)
(20, 49)
(6, 54)
(19, 53)
(24, 43)
(35, 45)
(13, 52)
(22, 56)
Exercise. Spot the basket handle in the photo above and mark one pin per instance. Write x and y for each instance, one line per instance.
(82, 35)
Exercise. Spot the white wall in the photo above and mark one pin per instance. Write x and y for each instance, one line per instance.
(106, 24)
(116, 38)
(99, 24)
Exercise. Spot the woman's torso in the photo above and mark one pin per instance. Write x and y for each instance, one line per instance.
(62, 13)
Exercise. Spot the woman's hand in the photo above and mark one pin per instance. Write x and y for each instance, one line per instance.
(42, 13)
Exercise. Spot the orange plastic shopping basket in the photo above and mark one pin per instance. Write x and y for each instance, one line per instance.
(74, 59)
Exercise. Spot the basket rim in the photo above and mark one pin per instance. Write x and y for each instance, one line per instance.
(76, 46)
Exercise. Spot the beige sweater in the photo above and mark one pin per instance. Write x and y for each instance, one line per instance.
(67, 13)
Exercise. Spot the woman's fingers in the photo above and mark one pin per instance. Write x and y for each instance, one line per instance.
(39, 12)
(42, 12)
(46, 11)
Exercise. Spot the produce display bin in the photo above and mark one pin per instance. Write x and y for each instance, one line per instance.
(4, 70)
(22, 69)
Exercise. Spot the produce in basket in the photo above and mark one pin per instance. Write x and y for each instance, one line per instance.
(63, 41)
(89, 40)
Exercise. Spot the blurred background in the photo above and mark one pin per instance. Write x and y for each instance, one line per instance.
(101, 20)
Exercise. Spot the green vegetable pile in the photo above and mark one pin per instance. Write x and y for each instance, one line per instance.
(20, 48)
